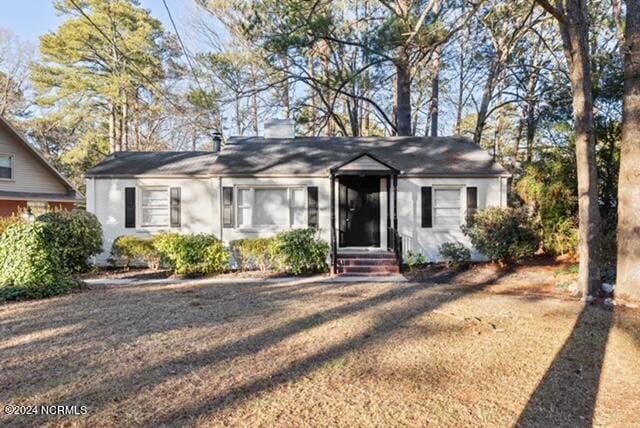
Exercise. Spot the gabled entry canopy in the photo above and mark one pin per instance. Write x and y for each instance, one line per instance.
(364, 164)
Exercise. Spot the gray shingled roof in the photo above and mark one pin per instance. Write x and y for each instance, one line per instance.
(155, 163)
(426, 156)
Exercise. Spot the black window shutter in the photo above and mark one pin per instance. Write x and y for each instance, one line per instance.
(427, 220)
(129, 207)
(472, 201)
(312, 206)
(175, 207)
(227, 206)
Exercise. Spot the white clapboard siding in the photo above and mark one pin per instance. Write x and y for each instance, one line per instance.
(29, 175)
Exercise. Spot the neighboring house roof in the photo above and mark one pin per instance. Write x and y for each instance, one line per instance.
(18, 138)
(311, 156)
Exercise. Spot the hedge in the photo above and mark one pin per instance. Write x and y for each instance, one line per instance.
(192, 254)
(76, 235)
(31, 264)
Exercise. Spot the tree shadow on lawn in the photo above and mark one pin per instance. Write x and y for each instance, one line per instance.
(86, 324)
(120, 387)
(386, 325)
(567, 394)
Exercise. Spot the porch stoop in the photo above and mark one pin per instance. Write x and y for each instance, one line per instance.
(367, 263)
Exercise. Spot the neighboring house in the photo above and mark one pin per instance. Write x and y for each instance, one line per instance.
(362, 193)
(28, 183)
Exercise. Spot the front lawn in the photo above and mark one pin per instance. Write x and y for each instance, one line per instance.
(451, 350)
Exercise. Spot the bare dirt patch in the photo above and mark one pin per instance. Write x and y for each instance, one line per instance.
(446, 352)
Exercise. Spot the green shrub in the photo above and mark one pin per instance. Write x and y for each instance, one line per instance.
(127, 250)
(5, 222)
(30, 263)
(77, 236)
(253, 253)
(415, 260)
(455, 254)
(560, 238)
(192, 254)
(299, 251)
(502, 234)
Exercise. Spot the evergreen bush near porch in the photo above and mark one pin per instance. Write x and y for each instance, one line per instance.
(192, 254)
(300, 252)
(502, 234)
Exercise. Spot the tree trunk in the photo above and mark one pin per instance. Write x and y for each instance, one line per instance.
(628, 277)
(138, 121)
(113, 134)
(576, 46)
(435, 83)
(124, 132)
(285, 89)
(313, 114)
(237, 114)
(461, 61)
(497, 130)
(403, 94)
(487, 95)
(435, 93)
(254, 98)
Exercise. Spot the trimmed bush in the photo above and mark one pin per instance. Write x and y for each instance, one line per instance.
(192, 254)
(253, 253)
(76, 235)
(31, 265)
(455, 254)
(128, 250)
(502, 234)
(415, 260)
(300, 252)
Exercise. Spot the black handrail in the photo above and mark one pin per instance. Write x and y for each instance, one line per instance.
(394, 243)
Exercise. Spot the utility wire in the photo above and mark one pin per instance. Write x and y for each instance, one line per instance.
(130, 61)
(184, 49)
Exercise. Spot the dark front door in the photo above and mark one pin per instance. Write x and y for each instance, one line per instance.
(359, 211)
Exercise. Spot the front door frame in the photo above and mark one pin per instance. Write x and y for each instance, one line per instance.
(394, 243)
(365, 190)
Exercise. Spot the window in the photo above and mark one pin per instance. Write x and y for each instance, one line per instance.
(298, 207)
(446, 207)
(244, 207)
(6, 167)
(155, 206)
(272, 206)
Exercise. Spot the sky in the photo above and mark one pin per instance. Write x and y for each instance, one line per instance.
(29, 19)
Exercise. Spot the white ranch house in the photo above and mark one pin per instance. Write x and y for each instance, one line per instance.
(362, 193)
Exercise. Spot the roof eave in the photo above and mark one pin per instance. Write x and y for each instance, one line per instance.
(22, 140)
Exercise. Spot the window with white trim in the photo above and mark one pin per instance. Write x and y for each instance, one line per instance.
(154, 206)
(271, 207)
(6, 167)
(447, 207)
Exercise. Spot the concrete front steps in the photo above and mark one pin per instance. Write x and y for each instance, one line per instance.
(367, 263)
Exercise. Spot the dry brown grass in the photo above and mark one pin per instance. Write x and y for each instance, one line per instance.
(443, 352)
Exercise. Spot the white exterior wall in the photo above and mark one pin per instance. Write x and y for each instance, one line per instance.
(492, 192)
(201, 208)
